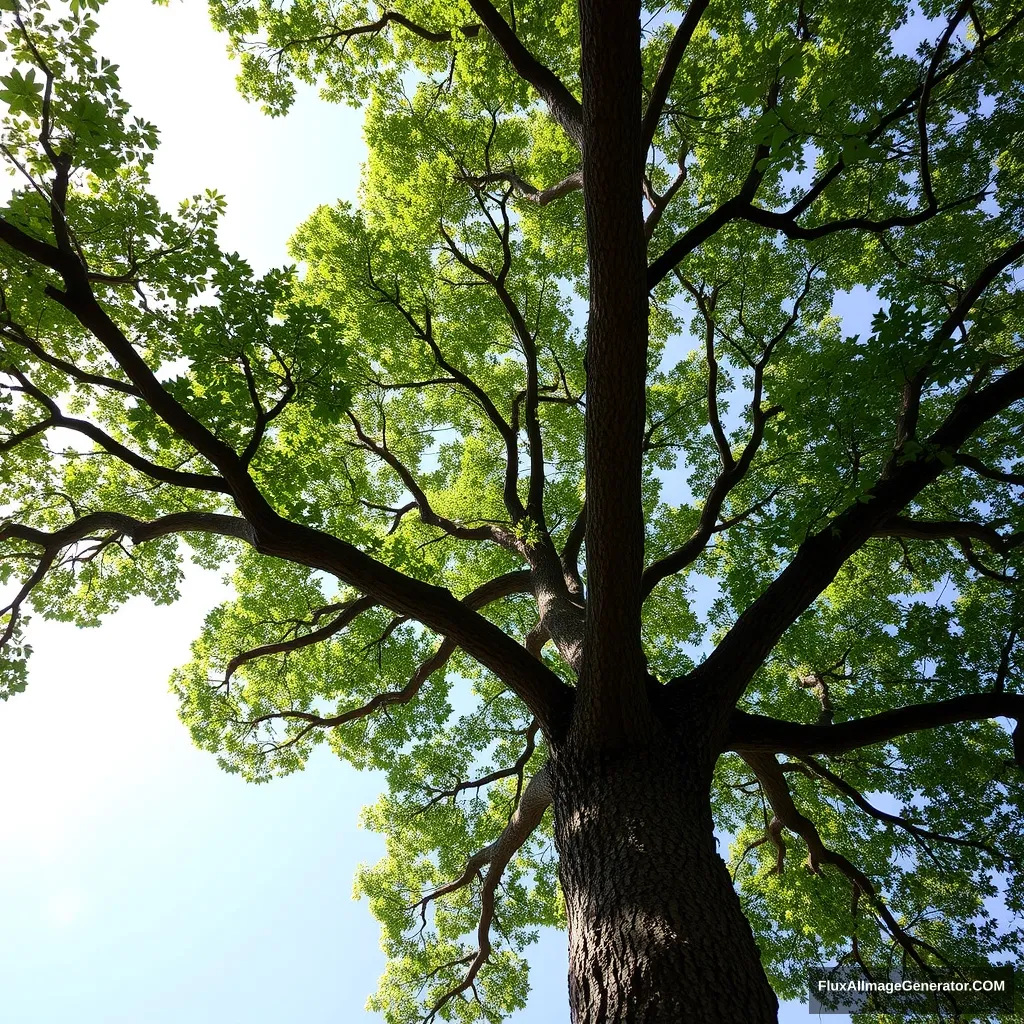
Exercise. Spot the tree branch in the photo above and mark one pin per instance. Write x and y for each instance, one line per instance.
(564, 107)
(525, 818)
(667, 71)
(532, 194)
(820, 557)
(427, 513)
(909, 827)
(534, 508)
(118, 525)
(17, 334)
(936, 529)
(395, 18)
(748, 733)
(739, 206)
(195, 481)
(493, 590)
(976, 465)
(571, 552)
(425, 332)
(733, 470)
(775, 787)
(347, 613)
(517, 769)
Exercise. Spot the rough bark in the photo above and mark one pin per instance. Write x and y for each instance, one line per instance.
(616, 369)
(656, 932)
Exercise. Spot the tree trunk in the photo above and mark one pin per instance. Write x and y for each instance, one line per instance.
(656, 932)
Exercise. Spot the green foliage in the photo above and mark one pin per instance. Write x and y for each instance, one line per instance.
(415, 325)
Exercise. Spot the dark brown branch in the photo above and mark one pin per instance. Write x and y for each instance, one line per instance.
(979, 467)
(425, 332)
(979, 566)
(264, 417)
(528, 342)
(138, 531)
(739, 206)
(525, 818)
(523, 189)
(534, 508)
(733, 470)
(820, 557)
(514, 770)
(895, 819)
(29, 432)
(667, 71)
(195, 481)
(39, 252)
(910, 104)
(775, 787)
(395, 18)
(492, 590)
(907, 424)
(60, 162)
(118, 525)
(427, 513)
(694, 237)
(922, 107)
(17, 334)
(785, 224)
(344, 618)
(571, 551)
(540, 689)
(564, 107)
(1005, 653)
(753, 733)
(707, 308)
(660, 203)
(937, 529)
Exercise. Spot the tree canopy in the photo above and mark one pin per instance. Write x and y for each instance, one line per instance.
(461, 502)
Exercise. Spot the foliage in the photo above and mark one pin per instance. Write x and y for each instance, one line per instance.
(417, 395)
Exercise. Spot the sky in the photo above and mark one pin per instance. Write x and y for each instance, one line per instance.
(139, 883)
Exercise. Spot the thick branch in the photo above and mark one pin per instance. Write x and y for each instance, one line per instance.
(937, 529)
(395, 18)
(775, 787)
(540, 689)
(117, 525)
(976, 465)
(749, 733)
(137, 530)
(819, 558)
(564, 107)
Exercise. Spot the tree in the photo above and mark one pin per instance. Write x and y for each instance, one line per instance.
(708, 559)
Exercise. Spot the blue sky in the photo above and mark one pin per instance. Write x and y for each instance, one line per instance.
(139, 883)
